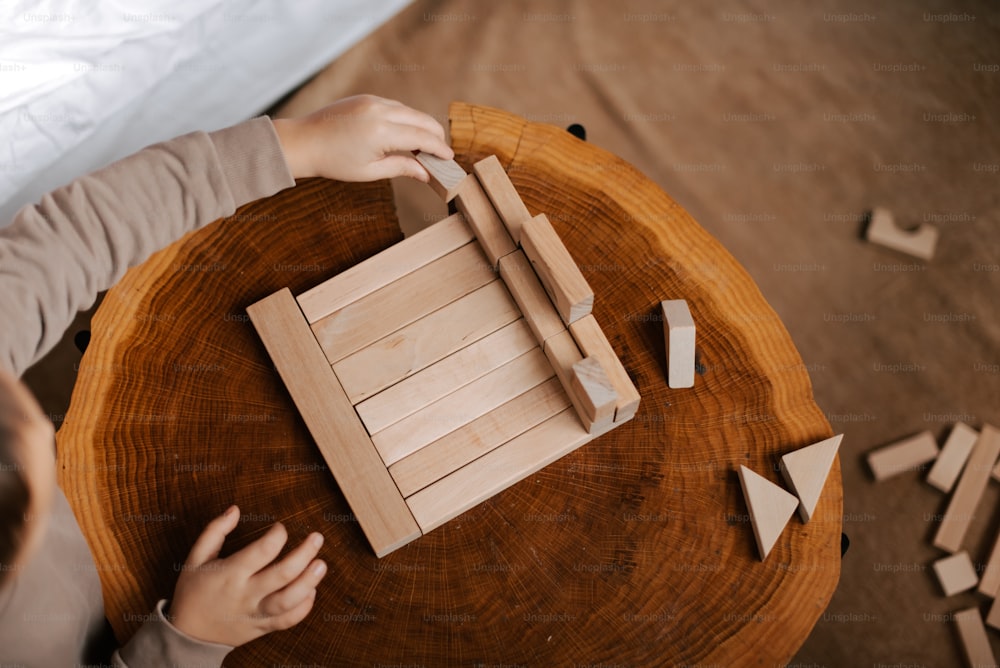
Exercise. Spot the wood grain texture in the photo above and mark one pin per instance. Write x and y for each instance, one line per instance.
(502, 194)
(634, 527)
(446, 175)
(524, 286)
(334, 425)
(556, 269)
(473, 203)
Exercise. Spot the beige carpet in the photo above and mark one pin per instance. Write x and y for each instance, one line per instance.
(777, 125)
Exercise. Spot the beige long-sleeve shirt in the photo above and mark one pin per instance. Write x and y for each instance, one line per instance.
(54, 259)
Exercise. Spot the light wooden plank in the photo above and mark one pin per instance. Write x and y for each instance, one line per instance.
(769, 505)
(462, 406)
(598, 396)
(678, 336)
(452, 451)
(556, 269)
(403, 301)
(498, 469)
(956, 573)
(531, 298)
(883, 230)
(473, 203)
(989, 584)
(563, 353)
(502, 194)
(592, 342)
(972, 484)
(953, 456)
(446, 376)
(424, 342)
(975, 643)
(905, 455)
(993, 617)
(446, 175)
(391, 264)
(805, 471)
(339, 434)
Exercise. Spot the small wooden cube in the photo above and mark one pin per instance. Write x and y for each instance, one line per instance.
(956, 573)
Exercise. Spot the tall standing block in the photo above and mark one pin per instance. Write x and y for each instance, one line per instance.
(971, 486)
(446, 175)
(555, 267)
(501, 192)
(678, 336)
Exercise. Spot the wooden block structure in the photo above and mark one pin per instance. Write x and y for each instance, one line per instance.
(678, 336)
(430, 380)
(962, 506)
(806, 470)
(975, 643)
(953, 456)
(562, 279)
(882, 230)
(770, 508)
(905, 455)
(956, 573)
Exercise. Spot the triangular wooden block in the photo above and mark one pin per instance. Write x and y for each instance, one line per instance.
(770, 508)
(805, 471)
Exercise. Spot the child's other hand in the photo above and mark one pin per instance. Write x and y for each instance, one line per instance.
(234, 600)
(361, 138)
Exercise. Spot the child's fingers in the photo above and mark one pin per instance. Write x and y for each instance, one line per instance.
(279, 574)
(284, 600)
(404, 115)
(399, 165)
(209, 543)
(411, 138)
(295, 615)
(258, 554)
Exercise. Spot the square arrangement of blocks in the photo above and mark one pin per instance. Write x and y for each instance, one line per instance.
(451, 365)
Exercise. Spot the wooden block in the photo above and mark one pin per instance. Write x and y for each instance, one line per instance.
(993, 618)
(327, 412)
(595, 391)
(523, 283)
(424, 342)
(678, 335)
(556, 269)
(770, 509)
(563, 353)
(452, 451)
(446, 175)
(975, 643)
(989, 584)
(496, 470)
(462, 406)
(971, 485)
(403, 301)
(952, 458)
(883, 230)
(502, 194)
(440, 379)
(996, 472)
(473, 203)
(905, 455)
(806, 470)
(593, 343)
(956, 573)
(391, 264)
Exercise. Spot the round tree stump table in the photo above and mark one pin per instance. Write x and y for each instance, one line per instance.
(635, 550)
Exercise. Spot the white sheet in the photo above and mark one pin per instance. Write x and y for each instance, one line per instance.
(85, 82)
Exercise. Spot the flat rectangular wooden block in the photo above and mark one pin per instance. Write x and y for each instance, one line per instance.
(971, 486)
(393, 263)
(473, 203)
(403, 301)
(953, 456)
(556, 269)
(678, 335)
(330, 417)
(452, 451)
(989, 583)
(593, 343)
(598, 396)
(563, 353)
(956, 573)
(527, 290)
(975, 643)
(446, 175)
(502, 194)
(906, 455)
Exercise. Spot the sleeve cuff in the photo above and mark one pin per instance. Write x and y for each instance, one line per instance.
(252, 160)
(160, 643)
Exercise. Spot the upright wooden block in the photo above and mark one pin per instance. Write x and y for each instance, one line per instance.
(956, 573)
(975, 643)
(597, 395)
(560, 275)
(678, 336)
(484, 221)
(962, 507)
(883, 230)
(806, 470)
(562, 353)
(905, 455)
(446, 175)
(521, 280)
(339, 434)
(953, 455)
(770, 509)
(592, 342)
(502, 194)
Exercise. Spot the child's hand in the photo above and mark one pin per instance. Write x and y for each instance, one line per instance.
(231, 601)
(361, 138)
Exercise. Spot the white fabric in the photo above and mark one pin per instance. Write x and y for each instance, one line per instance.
(85, 82)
